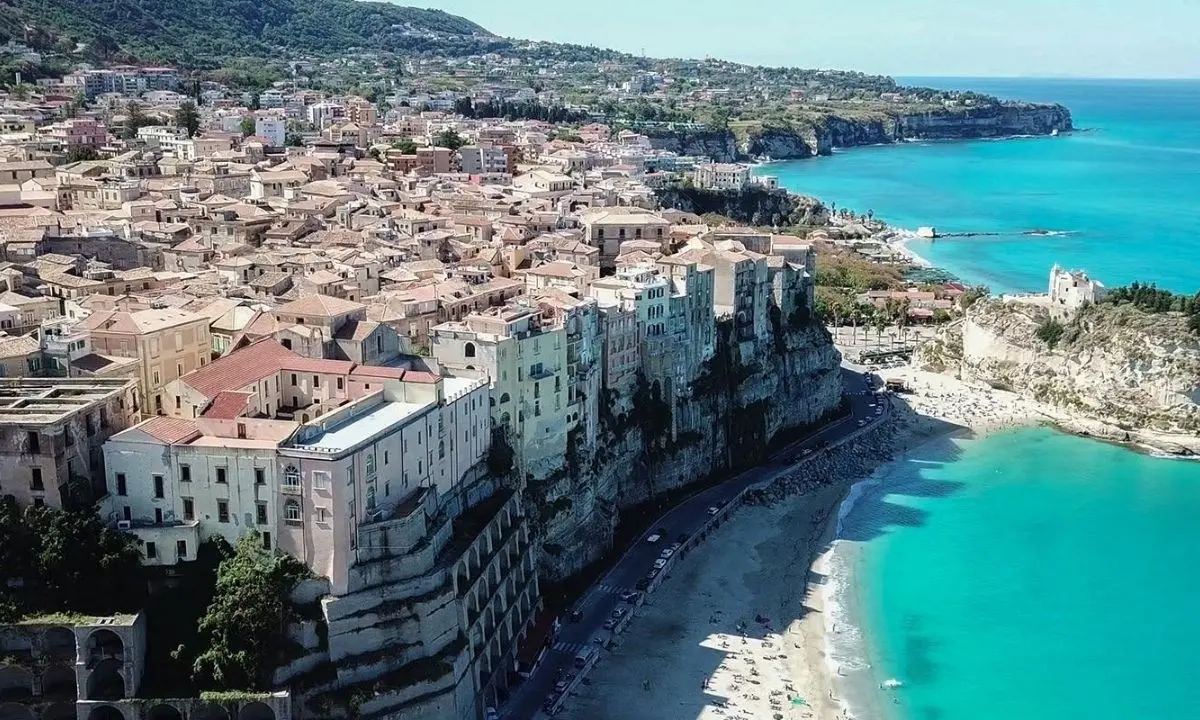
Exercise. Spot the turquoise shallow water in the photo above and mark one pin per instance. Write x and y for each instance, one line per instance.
(1028, 575)
(1126, 188)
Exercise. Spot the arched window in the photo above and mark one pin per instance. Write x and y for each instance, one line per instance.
(291, 476)
(503, 398)
(291, 511)
(469, 350)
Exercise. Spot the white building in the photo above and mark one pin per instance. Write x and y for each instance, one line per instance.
(722, 176)
(1071, 290)
(272, 128)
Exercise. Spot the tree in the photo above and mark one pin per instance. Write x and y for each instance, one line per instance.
(243, 630)
(449, 139)
(291, 139)
(188, 117)
(65, 561)
(406, 147)
(80, 153)
(248, 126)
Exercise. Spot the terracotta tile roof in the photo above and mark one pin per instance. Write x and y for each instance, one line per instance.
(378, 371)
(319, 305)
(169, 430)
(314, 365)
(239, 369)
(416, 376)
(357, 330)
(227, 405)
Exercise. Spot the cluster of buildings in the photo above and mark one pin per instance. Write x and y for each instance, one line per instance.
(331, 345)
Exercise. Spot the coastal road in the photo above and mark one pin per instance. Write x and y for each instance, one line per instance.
(688, 517)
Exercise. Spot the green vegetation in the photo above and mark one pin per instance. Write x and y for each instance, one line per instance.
(449, 139)
(405, 147)
(58, 561)
(201, 32)
(188, 117)
(1050, 332)
(243, 631)
(1149, 298)
(532, 110)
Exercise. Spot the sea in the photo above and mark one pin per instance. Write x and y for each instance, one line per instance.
(1117, 198)
(1027, 574)
(1030, 574)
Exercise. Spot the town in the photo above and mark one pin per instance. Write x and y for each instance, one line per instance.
(427, 355)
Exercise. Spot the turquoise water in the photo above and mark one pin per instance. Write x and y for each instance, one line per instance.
(1029, 575)
(1127, 189)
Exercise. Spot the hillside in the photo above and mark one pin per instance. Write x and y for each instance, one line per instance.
(197, 32)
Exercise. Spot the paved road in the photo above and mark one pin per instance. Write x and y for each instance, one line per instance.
(688, 517)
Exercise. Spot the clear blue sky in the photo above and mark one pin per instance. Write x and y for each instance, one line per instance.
(1079, 38)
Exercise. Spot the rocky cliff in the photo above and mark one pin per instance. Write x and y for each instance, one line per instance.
(751, 205)
(1112, 364)
(821, 132)
(747, 395)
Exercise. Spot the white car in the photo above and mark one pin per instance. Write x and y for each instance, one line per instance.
(714, 510)
(660, 563)
(666, 553)
(654, 538)
(862, 422)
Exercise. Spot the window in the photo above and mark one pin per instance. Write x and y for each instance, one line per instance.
(469, 350)
(261, 514)
(158, 516)
(441, 449)
(504, 398)
(151, 550)
(39, 502)
(291, 511)
(35, 442)
(221, 475)
(158, 486)
(385, 457)
(35, 480)
(181, 549)
(189, 509)
(178, 369)
(316, 381)
(293, 379)
(291, 477)
(121, 488)
(126, 513)
(223, 511)
(260, 476)
(266, 541)
(341, 383)
(322, 515)
(321, 480)
(185, 473)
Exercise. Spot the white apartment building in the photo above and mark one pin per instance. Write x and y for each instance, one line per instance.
(523, 355)
(272, 129)
(641, 289)
(722, 176)
(171, 140)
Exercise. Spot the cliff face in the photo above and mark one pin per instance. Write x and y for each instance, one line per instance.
(722, 421)
(719, 145)
(831, 131)
(752, 205)
(1112, 364)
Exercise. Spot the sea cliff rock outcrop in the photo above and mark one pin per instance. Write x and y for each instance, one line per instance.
(749, 395)
(1113, 364)
(751, 205)
(822, 133)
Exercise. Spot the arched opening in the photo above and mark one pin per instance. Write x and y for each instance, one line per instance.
(15, 643)
(59, 711)
(60, 644)
(13, 711)
(105, 712)
(164, 712)
(105, 645)
(256, 711)
(469, 350)
(16, 683)
(105, 681)
(209, 711)
(503, 398)
(59, 681)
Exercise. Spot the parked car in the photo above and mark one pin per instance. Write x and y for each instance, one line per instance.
(629, 596)
(660, 563)
(862, 422)
(654, 538)
(618, 613)
(666, 553)
(806, 452)
(642, 584)
(713, 510)
(491, 714)
(609, 624)
(652, 573)
(576, 616)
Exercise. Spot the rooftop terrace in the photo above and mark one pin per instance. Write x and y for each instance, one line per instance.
(27, 401)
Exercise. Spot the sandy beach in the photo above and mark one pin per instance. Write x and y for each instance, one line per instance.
(739, 629)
